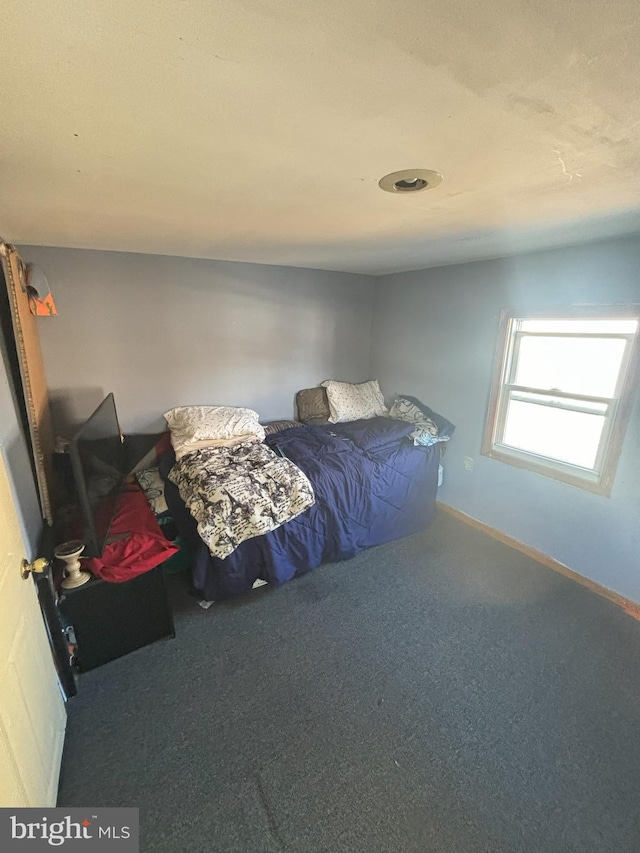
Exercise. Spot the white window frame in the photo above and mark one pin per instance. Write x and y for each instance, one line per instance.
(600, 478)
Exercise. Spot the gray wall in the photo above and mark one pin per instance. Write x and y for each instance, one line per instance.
(434, 336)
(162, 332)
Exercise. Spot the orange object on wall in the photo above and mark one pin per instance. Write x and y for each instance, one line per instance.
(42, 307)
(39, 293)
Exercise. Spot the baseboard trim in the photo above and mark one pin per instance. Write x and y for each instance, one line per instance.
(629, 607)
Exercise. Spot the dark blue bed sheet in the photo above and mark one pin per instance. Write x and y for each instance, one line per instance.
(371, 486)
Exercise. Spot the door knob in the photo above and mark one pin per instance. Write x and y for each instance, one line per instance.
(37, 567)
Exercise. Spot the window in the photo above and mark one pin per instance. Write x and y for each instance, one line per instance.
(561, 394)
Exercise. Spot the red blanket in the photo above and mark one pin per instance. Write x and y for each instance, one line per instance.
(144, 548)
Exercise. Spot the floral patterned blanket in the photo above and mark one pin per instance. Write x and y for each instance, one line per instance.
(236, 493)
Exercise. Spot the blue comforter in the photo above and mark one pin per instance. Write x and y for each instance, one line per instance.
(371, 486)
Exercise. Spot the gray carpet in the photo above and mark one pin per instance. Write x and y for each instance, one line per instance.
(442, 693)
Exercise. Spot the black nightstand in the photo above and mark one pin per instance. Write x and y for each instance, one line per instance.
(112, 619)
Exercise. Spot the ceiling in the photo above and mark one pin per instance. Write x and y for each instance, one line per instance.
(257, 130)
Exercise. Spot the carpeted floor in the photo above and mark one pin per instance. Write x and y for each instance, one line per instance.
(442, 693)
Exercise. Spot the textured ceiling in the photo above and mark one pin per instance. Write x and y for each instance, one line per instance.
(257, 130)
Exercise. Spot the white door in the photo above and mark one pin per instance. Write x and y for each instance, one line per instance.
(32, 711)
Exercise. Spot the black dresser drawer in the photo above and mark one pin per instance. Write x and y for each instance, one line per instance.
(112, 619)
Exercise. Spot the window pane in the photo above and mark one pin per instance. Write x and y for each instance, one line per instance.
(616, 327)
(576, 365)
(560, 434)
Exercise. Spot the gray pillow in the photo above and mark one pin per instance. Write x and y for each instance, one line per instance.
(272, 427)
(313, 406)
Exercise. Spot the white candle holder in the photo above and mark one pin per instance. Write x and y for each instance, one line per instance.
(69, 553)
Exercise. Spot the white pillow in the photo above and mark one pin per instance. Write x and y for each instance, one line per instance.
(349, 402)
(193, 427)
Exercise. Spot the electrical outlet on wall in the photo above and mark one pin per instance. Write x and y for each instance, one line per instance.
(468, 463)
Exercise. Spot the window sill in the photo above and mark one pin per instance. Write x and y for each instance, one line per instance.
(599, 486)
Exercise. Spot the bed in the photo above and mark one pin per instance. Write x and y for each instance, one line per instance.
(372, 484)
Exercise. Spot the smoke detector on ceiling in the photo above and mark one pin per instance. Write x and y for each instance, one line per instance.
(410, 181)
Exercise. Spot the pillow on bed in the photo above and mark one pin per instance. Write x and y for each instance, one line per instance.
(349, 402)
(445, 427)
(313, 406)
(430, 427)
(271, 427)
(194, 427)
